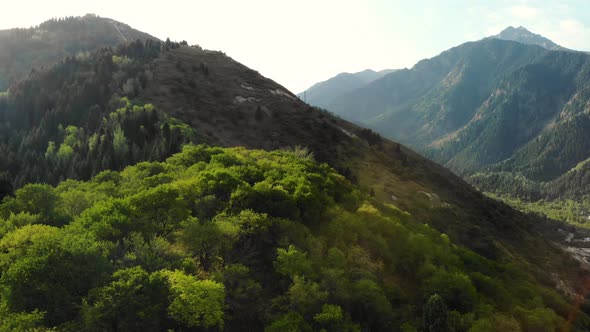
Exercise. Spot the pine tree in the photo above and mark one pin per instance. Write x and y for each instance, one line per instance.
(435, 315)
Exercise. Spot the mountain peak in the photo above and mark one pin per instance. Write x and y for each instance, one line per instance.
(519, 28)
(525, 36)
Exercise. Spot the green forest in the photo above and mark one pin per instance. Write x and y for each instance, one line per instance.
(72, 121)
(233, 239)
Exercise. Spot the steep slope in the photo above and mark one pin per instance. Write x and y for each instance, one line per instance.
(522, 35)
(255, 112)
(322, 93)
(444, 90)
(100, 111)
(488, 106)
(72, 121)
(52, 41)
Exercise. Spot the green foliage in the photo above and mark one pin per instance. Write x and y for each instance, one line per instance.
(21, 322)
(109, 219)
(455, 289)
(72, 122)
(36, 199)
(291, 262)
(244, 294)
(538, 319)
(243, 239)
(372, 303)
(435, 316)
(331, 314)
(305, 296)
(120, 143)
(196, 303)
(52, 273)
(19, 220)
(161, 208)
(131, 302)
(568, 210)
(204, 240)
(291, 322)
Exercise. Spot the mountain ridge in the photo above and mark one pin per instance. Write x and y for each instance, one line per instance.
(489, 109)
(458, 90)
(321, 93)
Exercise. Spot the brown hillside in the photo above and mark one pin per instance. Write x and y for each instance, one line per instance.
(232, 105)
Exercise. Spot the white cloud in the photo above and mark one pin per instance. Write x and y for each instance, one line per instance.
(572, 34)
(524, 12)
(570, 25)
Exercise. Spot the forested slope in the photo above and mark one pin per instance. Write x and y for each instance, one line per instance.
(77, 119)
(246, 240)
(25, 49)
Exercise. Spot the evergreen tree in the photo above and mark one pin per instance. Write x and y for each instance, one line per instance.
(435, 315)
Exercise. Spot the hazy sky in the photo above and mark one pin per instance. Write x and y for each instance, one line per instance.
(298, 43)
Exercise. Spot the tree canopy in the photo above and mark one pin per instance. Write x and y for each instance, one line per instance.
(238, 239)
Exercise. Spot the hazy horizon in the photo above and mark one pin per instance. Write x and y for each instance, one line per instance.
(300, 43)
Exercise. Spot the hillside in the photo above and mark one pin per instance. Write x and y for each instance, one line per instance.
(511, 118)
(53, 40)
(245, 240)
(142, 101)
(322, 93)
(77, 119)
(255, 112)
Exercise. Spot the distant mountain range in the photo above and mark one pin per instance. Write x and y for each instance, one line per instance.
(510, 116)
(321, 94)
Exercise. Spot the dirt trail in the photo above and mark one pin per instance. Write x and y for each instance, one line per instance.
(119, 31)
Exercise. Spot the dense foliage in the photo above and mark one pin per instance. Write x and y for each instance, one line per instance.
(241, 239)
(70, 121)
(572, 211)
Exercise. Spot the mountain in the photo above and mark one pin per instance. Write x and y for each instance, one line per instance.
(245, 240)
(322, 93)
(247, 209)
(512, 118)
(522, 35)
(53, 40)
